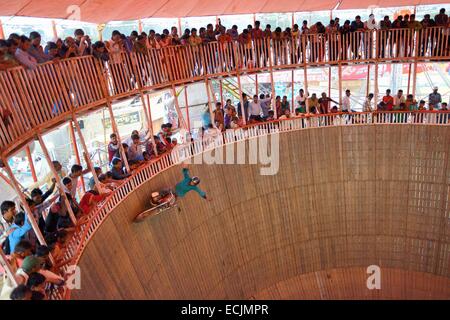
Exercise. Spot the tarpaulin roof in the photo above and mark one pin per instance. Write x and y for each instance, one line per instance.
(101, 11)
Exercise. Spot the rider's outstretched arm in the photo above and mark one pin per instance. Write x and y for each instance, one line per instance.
(200, 192)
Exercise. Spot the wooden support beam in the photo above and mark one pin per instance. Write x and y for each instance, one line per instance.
(75, 149)
(16, 186)
(150, 127)
(177, 108)
(7, 267)
(59, 183)
(86, 151)
(2, 33)
(30, 161)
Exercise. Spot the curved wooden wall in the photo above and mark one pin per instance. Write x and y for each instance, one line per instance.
(344, 198)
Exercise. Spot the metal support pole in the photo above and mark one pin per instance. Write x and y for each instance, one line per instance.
(256, 85)
(186, 101)
(238, 77)
(30, 161)
(150, 128)
(75, 148)
(415, 66)
(24, 202)
(221, 92)
(209, 101)
(179, 26)
(293, 91)
(340, 85)
(305, 73)
(375, 95)
(86, 151)
(2, 33)
(55, 32)
(409, 78)
(368, 80)
(292, 20)
(329, 82)
(58, 180)
(140, 26)
(274, 104)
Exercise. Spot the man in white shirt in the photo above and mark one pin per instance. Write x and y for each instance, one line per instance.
(300, 100)
(255, 109)
(367, 107)
(23, 56)
(399, 98)
(346, 101)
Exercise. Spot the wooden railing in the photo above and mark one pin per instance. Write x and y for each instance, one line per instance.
(38, 99)
(80, 240)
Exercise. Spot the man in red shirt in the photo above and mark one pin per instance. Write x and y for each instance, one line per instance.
(388, 100)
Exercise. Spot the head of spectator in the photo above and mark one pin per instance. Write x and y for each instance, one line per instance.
(51, 49)
(76, 171)
(23, 249)
(370, 96)
(412, 18)
(36, 195)
(347, 93)
(193, 32)
(400, 93)
(388, 92)
(31, 264)
(444, 106)
(116, 36)
(117, 164)
(268, 27)
(435, 89)
(67, 182)
(25, 43)
(334, 109)
(21, 292)
(9, 211)
(78, 34)
(36, 283)
(406, 18)
(35, 38)
(422, 105)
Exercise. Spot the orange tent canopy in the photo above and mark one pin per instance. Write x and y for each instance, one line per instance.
(101, 11)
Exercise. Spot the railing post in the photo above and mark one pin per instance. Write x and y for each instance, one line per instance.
(86, 151)
(16, 187)
(59, 183)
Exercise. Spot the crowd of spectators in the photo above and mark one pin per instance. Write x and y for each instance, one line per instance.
(34, 271)
(28, 51)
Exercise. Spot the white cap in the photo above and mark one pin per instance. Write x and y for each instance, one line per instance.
(155, 194)
(435, 88)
